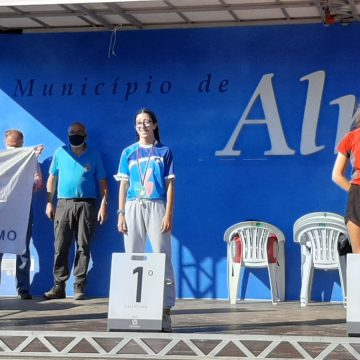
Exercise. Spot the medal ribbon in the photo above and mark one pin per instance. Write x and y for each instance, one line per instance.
(142, 177)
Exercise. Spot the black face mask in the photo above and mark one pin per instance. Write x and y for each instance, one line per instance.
(76, 139)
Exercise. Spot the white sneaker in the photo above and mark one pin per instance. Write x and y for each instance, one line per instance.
(166, 323)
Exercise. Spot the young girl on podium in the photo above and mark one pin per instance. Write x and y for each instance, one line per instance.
(146, 199)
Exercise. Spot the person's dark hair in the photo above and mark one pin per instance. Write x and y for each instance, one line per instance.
(76, 123)
(153, 119)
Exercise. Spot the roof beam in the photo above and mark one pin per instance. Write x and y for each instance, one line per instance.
(58, 2)
(320, 9)
(94, 16)
(81, 17)
(232, 13)
(171, 6)
(131, 19)
(233, 7)
(354, 10)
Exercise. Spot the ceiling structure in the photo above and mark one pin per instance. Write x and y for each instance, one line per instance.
(18, 16)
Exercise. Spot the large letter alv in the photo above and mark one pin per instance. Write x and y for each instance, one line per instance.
(311, 113)
(272, 120)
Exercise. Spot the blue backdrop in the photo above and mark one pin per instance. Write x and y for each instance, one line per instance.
(282, 96)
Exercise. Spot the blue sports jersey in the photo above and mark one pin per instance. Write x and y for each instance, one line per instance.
(146, 168)
(77, 175)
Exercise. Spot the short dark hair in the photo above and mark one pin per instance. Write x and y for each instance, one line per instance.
(76, 123)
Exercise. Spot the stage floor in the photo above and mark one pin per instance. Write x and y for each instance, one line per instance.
(201, 329)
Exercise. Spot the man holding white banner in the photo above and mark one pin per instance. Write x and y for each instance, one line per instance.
(19, 176)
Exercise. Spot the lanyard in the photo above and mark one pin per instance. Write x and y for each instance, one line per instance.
(142, 177)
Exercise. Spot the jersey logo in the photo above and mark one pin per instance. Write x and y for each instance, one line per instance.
(157, 160)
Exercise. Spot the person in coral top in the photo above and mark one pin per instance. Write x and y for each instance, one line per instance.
(349, 153)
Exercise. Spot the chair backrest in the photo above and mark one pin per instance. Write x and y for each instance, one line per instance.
(318, 219)
(324, 244)
(254, 237)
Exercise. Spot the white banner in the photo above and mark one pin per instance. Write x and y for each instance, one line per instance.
(17, 168)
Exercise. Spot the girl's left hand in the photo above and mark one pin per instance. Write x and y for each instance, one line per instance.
(166, 223)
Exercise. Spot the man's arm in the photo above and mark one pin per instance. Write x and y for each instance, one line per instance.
(104, 191)
(50, 189)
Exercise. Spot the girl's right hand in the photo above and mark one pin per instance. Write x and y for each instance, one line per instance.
(122, 227)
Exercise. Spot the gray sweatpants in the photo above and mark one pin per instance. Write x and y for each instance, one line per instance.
(143, 219)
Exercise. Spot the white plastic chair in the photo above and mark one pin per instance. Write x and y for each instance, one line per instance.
(262, 245)
(318, 234)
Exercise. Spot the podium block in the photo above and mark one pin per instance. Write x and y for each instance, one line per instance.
(353, 295)
(136, 292)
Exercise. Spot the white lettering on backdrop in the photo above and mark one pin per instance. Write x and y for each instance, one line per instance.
(265, 92)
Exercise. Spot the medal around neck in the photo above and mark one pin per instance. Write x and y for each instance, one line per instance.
(142, 192)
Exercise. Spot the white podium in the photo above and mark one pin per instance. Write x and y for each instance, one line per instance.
(353, 295)
(136, 292)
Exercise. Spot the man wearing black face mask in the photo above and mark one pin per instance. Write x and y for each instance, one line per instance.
(75, 169)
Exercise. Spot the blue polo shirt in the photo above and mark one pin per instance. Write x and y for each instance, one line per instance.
(77, 175)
